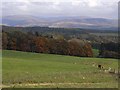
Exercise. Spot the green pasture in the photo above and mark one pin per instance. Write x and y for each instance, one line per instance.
(25, 69)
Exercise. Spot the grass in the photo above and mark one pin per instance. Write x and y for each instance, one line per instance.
(24, 69)
(95, 52)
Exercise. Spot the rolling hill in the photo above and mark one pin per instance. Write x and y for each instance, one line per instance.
(63, 22)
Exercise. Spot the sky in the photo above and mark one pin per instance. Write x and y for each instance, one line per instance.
(90, 8)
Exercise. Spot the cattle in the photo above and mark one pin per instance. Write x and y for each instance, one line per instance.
(100, 66)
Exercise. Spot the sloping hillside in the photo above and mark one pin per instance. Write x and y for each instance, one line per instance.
(23, 69)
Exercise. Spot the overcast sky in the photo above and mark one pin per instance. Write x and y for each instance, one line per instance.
(91, 8)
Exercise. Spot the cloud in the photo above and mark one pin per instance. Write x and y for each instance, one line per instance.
(93, 8)
(93, 3)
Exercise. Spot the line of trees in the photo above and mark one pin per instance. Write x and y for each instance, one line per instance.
(109, 50)
(30, 42)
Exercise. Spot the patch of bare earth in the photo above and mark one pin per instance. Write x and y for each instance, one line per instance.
(47, 84)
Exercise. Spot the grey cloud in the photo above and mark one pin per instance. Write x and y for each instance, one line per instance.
(105, 9)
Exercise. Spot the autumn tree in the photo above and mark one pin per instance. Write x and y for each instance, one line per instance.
(4, 40)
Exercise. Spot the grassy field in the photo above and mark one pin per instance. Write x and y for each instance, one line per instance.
(105, 34)
(23, 69)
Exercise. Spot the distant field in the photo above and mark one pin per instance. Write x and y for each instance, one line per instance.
(105, 34)
(23, 69)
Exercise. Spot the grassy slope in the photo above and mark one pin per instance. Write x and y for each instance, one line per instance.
(51, 70)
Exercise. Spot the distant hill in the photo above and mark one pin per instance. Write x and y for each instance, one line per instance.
(63, 22)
